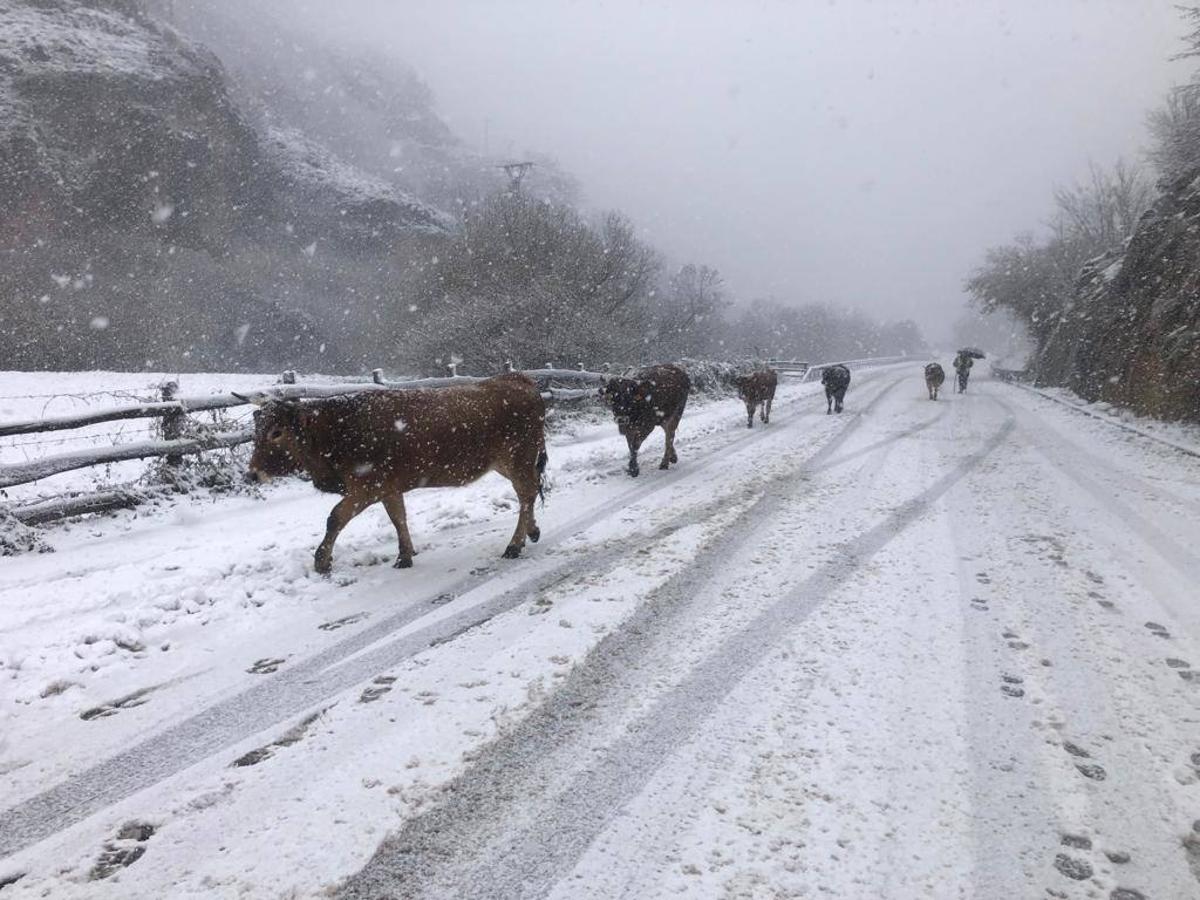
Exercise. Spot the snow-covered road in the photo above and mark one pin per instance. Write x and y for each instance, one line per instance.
(918, 650)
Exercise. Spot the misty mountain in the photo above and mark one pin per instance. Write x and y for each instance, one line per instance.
(365, 106)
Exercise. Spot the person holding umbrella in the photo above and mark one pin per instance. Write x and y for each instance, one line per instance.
(962, 365)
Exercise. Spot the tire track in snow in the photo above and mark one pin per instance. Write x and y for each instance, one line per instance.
(343, 665)
(510, 828)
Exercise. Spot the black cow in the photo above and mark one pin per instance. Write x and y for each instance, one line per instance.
(652, 397)
(935, 376)
(836, 379)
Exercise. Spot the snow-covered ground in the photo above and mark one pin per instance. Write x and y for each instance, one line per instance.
(916, 650)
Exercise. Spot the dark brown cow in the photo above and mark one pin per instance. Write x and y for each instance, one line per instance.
(372, 447)
(757, 390)
(836, 379)
(935, 376)
(652, 397)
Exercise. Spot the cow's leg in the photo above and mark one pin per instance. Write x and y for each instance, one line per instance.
(675, 420)
(394, 504)
(634, 441)
(749, 413)
(828, 401)
(668, 428)
(841, 395)
(766, 411)
(526, 486)
(348, 507)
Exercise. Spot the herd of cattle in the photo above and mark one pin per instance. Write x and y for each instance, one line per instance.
(373, 447)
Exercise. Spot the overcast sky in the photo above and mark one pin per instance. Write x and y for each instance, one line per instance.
(864, 153)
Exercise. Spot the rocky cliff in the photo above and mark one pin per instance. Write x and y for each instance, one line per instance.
(147, 218)
(1132, 336)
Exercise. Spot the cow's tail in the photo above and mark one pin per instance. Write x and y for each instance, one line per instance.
(542, 459)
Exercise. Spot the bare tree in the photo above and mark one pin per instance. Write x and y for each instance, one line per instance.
(687, 310)
(1102, 211)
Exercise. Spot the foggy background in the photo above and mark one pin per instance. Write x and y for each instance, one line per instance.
(862, 153)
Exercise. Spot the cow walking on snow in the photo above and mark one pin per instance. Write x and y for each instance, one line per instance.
(373, 447)
(651, 398)
(836, 379)
(935, 375)
(757, 390)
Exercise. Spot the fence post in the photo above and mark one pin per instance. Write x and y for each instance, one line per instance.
(289, 376)
(453, 367)
(377, 376)
(172, 421)
(508, 366)
(581, 368)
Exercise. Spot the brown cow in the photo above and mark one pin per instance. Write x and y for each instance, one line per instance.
(935, 376)
(757, 389)
(372, 447)
(654, 396)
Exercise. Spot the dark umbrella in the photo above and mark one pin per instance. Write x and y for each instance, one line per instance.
(973, 352)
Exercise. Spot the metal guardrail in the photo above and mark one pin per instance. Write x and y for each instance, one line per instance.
(815, 371)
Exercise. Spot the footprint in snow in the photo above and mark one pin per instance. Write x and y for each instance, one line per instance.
(1126, 894)
(1092, 771)
(343, 621)
(1078, 841)
(979, 604)
(129, 701)
(127, 848)
(1072, 867)
(381, 685)
(291, 736)
(1011, 686)
(265, 666)
(983, 578)
(1158, 630)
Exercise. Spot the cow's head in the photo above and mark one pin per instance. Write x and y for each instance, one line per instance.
(622, 396)
(742, 383)
(277, 441)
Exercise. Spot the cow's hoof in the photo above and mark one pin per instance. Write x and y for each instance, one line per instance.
(512, 551)
(749, 424)
(323, 564)
(535, 534)
(633, 473)
(403, 562)
(664, 465)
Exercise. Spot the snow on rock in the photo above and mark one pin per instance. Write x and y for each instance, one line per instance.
(322, 177)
